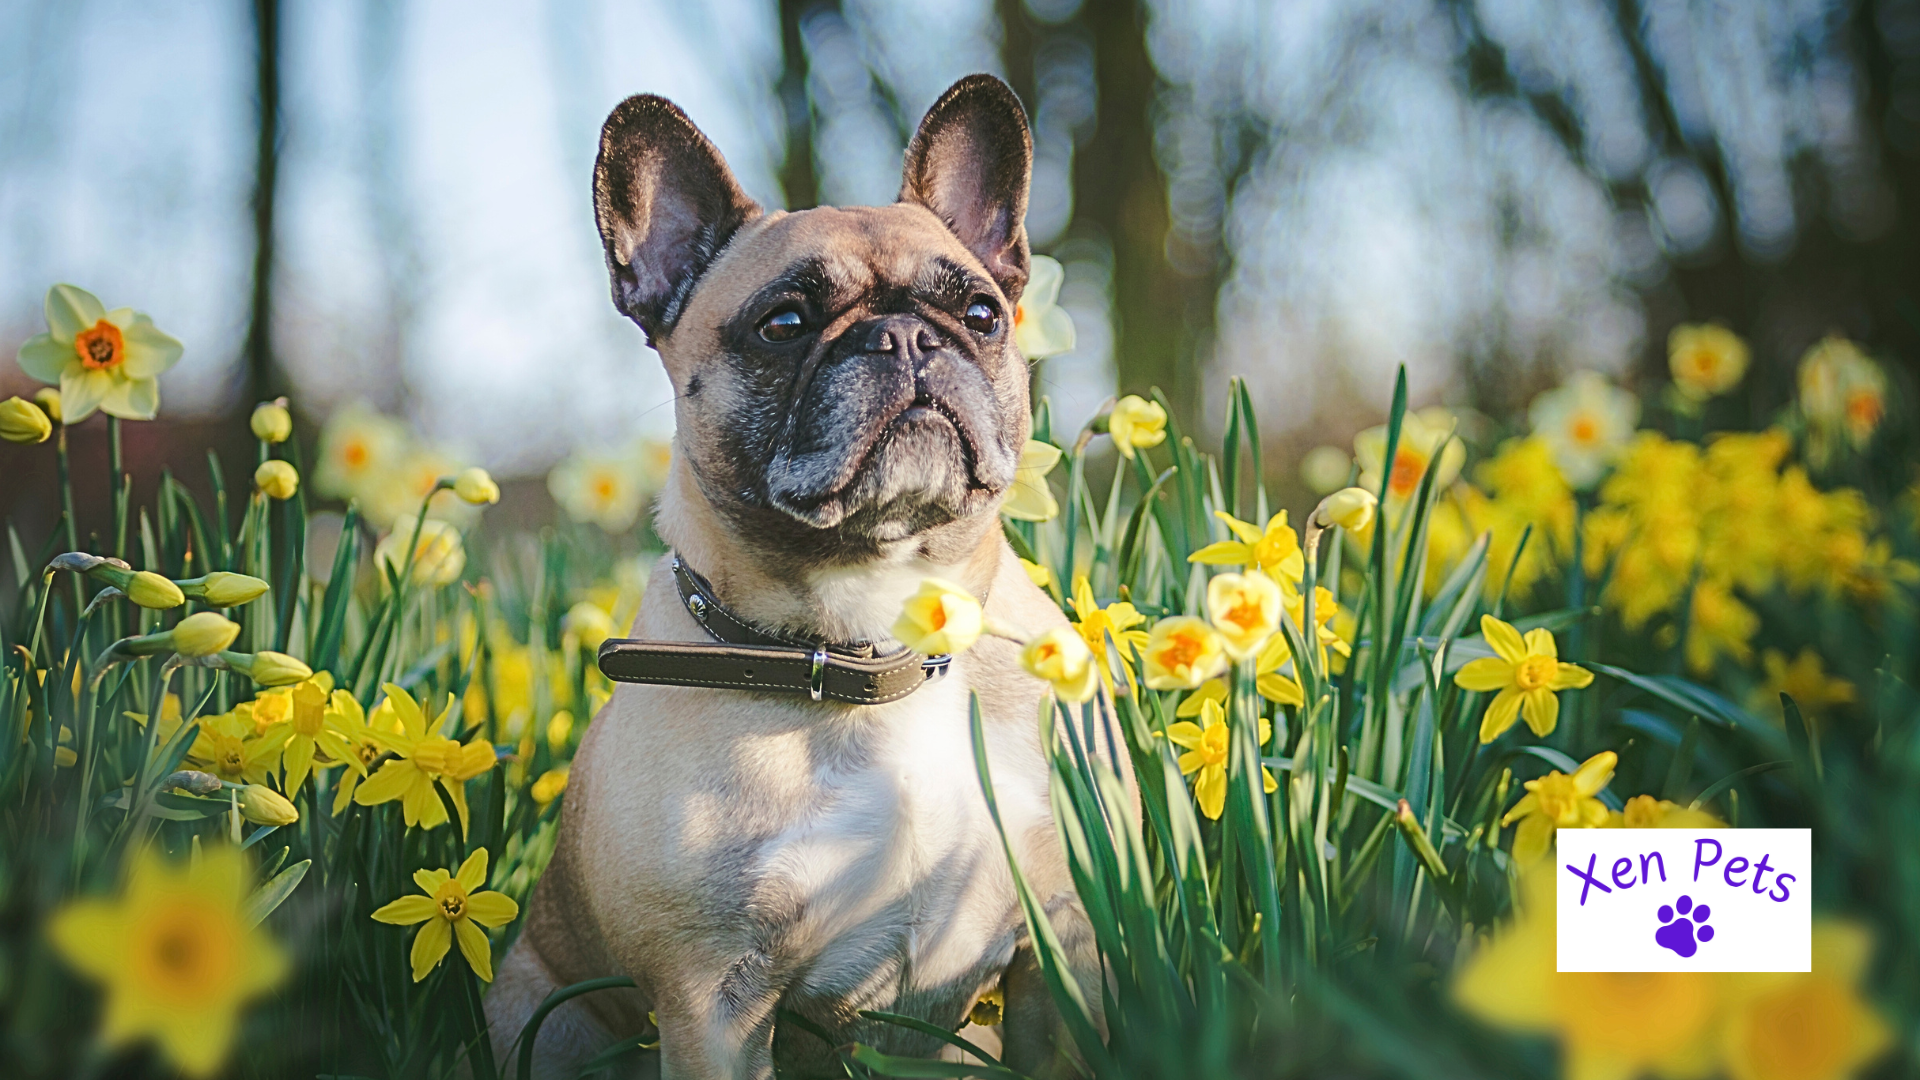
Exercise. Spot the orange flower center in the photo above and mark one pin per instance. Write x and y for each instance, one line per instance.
(355, 454)
(185, 951)
(1245, 615)
(1864, 408)
(1584, 429)
(1180, 651)
(1408, 466)
(100, 346)
(1534, 672)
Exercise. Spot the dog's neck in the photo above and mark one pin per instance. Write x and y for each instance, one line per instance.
(823, 601)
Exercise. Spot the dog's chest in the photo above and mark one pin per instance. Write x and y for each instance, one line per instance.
(892, 888)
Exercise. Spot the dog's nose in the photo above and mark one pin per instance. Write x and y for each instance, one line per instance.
(900, 335)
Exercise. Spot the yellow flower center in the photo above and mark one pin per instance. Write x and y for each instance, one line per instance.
(1534, 672)
(367, 752)
(604, 488)
(185, 951)
(1558, 799)
(1213, 745)
(100, 346)
(270, 710)
(229, 757)
(452, 900)
(309, 709)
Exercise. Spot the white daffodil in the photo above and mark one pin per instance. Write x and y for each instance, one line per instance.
(1030, 499)
(107, 360)
(1041, 327)
(1587, 422)
(604, 489)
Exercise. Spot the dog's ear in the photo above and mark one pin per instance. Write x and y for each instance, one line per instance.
(666, 204)
(970, 163)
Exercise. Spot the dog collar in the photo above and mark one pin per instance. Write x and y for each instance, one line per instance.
(750, 658)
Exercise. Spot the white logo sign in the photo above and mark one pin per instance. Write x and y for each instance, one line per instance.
(1684, 900)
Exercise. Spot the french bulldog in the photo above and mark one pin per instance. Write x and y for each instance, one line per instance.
(850, 409)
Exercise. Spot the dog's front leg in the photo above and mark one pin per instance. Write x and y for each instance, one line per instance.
(1035, 1038)
(720, 1027)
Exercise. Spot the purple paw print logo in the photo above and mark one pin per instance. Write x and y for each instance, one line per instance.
(1683, 926)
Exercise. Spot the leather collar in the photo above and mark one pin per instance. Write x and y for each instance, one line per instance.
(751, 658)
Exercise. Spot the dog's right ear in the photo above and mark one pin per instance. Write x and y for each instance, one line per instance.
(666, 204)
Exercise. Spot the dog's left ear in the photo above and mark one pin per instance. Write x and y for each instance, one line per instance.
(970, 163)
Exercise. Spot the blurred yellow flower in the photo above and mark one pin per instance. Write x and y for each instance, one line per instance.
(1181, 653)
(559, 731)
(476, 486)
(203, 633)
(1325, 469)
(1586, 423)
(438, 559)
(1842, 392)
(1275, 550)
(1706, 359)
(271, 422)
(549, 786)
(1029, 498)
(424, 757)
(1527, 672)
(48, 398)
(1807, 1026)
(23, 422)
(1718, 625)
(106, 360)
(598, 489)
(1041, 328)
(1423, 436)
(1805, 680)
(1039, 575)
(358, 446)
(1245, 609)
(175, 955)
(1558, 801)
(1207, 745)
(941, 617)
(1647, 812)
(1062, 659)
(454, 910)
(1136, 424)
(1095, 624)
(589, 623)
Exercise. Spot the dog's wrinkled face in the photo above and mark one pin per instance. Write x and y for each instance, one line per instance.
(846, 378)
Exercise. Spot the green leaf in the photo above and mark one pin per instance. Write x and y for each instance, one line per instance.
(273, 892)
(912, 1068)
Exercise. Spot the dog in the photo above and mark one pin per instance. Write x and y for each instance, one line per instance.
(850, 409)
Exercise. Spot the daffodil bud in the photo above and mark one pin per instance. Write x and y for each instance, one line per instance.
(48, 398)
(265, 806)
(549, 786)
(268, 668)
(150, 590)
(276, 479)
(23, 422)
(203, 634)
(1350, 508)
(476, 486)
(588, 622)
(941, 618)
(271, 422)
(222, 589)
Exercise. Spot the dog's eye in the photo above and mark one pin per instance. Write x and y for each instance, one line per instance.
(981, 318)
(783, 325)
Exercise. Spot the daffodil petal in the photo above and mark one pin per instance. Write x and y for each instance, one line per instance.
(132, 399)
(1184, 733)
(1223, 553)
(430, 946)
(1595, 772)
(1539, 642)
(80, 393)
(1503, 639)
(491, 908)
(431, 880)
(1210, 791)
(1520, 809)
(1486, 674)
(71, 309)
(1570, 677)
(43, 358)
(1280, 690)
(390, 782)
(1532, 839)
(407, 910)
(1501, 713)
(1245, 530)
(474, 946)
(1541, 709)
(149, 351)
(473, 873)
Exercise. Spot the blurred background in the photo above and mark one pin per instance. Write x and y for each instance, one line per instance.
(387, 200)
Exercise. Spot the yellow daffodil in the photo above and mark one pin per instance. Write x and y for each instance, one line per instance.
(598, 489)
(1214, 690)
(1268, 680)
(1842, 392)
(1042, 328)
(1181, 653)
(1558, 801)
(203, 633)
(358, 447)
(438, 559)
(1806, 1026)
(475, 486)
(1136, 424)
(549, 787)
(1424, 435)
(1587, 423)
(1706, 359)
(1610, 1024)
(106, 360)
(1059, 656)
(363, 746)
(1245, 609)
(454, 910)
(271, 422)
(1805, 680)
(1039, 575)
(425, 756)
(589, 623)
(559, 731)
(1207, 745)
(229, 747)
(1029, 498)
(941, 617)
(1648, 812)
(1527, 672)
(174, 954)
(1325, 469)
(1718, 624)
(1117, 620)
(312, 730)
(23, 422)
(1275, 549)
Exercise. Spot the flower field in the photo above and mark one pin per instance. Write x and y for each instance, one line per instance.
(272, 803)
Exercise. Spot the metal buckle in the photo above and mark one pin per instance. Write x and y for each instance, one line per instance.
(817, 684)
(935, 667)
